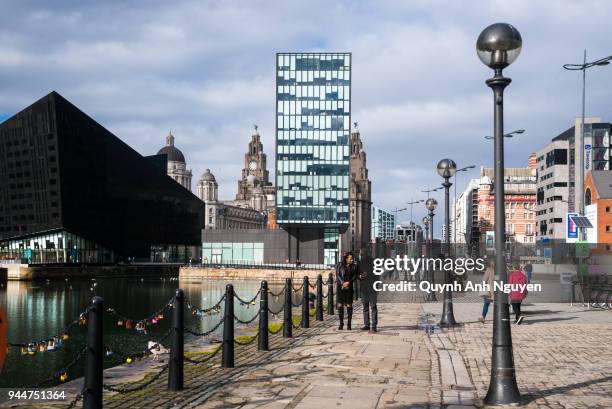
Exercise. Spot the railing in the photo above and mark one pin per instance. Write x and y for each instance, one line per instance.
(594, 291)
(94, 351)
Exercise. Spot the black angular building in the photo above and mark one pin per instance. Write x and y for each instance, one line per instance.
(71, 191)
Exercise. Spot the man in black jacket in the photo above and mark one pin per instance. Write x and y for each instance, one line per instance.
(368, 295)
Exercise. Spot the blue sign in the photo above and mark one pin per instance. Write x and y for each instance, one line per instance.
(572, 229)
(587, 147)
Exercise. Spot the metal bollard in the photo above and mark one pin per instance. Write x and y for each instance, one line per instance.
(227, 358)
(263, 318)
(175, 374)
(305, 304)
(330, 294)
(92, 395)
(288, 315)
(319, 305)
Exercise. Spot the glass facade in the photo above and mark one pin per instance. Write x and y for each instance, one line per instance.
(234, 253)
(57, 246)
(313, 106)
(383, 224)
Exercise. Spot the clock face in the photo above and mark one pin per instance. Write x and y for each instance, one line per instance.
(252, 165)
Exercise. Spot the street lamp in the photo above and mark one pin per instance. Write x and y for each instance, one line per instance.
(580, 143)
(430, 205)
(497, 47)
(426, 225)
(396, 211)
(508, 135)
(428, 191)
(447, 168)
(411, 204)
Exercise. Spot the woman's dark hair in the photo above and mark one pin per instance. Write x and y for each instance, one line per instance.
(346, 257)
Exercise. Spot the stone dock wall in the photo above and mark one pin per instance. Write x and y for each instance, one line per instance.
(198, 274)
(27, 272)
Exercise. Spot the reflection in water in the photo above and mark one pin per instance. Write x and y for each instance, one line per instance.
(36, 311)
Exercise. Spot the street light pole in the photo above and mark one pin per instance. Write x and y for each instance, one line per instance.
(431, 205)
(580, 148)
(498, 46)
(447, 168)
(396, 222)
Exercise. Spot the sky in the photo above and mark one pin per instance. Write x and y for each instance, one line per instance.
(205, 71)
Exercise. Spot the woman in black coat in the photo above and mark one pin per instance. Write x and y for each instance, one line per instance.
(346, 274)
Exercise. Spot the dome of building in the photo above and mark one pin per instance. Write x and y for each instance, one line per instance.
(173, 153)
(207, 176)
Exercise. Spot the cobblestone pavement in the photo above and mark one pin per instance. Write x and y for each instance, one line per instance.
(343, 369)
(563, 354)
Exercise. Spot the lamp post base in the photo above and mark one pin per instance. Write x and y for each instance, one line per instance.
(448, 318)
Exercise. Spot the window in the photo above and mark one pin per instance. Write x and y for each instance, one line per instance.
(607, 229)
(587, 196)
(607, 209)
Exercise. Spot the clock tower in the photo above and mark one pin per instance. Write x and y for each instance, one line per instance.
(254, 179)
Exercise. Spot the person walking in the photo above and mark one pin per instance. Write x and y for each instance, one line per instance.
(368, 295)
(489, 293)
(346, 274)
(517, 292)
(529, 271)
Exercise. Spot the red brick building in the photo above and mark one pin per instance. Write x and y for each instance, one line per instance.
(598, 202)
(520, 199)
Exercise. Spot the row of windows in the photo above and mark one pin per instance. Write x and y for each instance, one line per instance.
(312, 107)
(226, 252)
(311, 214)
(56, 247)
(336, 93)
(312, 123)
(312, 138)
(318, 77)
(313, 61)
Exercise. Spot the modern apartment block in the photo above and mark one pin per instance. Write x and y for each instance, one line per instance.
(383, 224)
(465, 215)
(553, 188)
(559, 177)
(313, 129)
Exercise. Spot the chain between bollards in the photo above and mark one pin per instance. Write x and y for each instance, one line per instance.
(287, 316)
(330, 294)
(305, 304)
(227, 358)
(262, 344)
(177, 348)
(92, 394)
(319, 305)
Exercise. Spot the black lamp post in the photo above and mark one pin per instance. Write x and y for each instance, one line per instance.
(498, 46)
(447, 169)
(430, 205)
(426, 225)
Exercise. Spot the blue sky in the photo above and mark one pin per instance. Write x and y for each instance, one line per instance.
(205, 70)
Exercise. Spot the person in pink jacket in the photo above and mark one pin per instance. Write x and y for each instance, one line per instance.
(517, 294)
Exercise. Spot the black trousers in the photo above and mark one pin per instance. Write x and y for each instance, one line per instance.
(516, 307)
(369, 300)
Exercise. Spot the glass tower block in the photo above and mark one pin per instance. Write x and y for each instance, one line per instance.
(313, 125)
